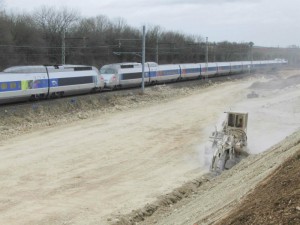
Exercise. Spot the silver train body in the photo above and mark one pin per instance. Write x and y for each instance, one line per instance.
(38, 82)
(130, 74)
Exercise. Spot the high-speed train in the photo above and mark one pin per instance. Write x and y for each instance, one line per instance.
(130, 74)
(38, 82)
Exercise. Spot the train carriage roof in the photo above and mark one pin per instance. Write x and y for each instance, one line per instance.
(52, 68)
(25, 69)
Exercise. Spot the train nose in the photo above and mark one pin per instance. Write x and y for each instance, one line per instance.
(110, 81)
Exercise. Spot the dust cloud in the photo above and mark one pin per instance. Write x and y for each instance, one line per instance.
(274, 114)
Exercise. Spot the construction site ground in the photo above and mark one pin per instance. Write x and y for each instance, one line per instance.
(127, 158)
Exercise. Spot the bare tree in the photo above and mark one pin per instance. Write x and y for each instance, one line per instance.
(7, 56)
(119, 24)
(94, 26)
(52, 24)
(37, 38)
(2, 6)
(54, 21)
(28, 42)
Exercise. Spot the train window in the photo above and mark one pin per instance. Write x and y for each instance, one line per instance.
(13, 85)
(82, 68)
(152, 64)
(108, 71)
(239, 121)
(4, 86)
(231, 120)
(126, 66)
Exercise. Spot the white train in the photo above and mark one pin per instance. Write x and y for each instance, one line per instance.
(130, 74)
(39, 82)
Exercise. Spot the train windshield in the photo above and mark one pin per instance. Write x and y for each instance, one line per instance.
(108, 70)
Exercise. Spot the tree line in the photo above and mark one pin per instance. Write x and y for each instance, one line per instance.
(43, 36)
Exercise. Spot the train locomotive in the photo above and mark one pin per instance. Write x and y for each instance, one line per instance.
(130, 74)
(21, 83)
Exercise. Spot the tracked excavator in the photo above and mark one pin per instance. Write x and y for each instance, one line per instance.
(229, 144)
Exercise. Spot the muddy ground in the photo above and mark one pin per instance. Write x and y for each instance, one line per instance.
(126, 158)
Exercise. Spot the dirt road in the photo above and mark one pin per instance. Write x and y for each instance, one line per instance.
(85, 172)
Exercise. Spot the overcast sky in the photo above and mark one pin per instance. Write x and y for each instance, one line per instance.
(264, 22)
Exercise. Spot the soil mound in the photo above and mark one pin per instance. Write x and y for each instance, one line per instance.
(275, 201)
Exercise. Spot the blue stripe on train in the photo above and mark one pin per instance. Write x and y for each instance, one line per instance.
(40, 84)
(27, 84)
(10, 86)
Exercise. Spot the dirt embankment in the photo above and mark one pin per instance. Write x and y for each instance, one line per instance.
(276, 200)
(271, 177)
(207, 199)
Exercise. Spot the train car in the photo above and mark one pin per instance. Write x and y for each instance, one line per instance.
(130, 74)
(223, 68)
(209, 69)
(110, 75)
(124, 74)
(190, 71)
(276, 63)
(255, 65)
(22, 83)
(246, 66)
(281, 62)
(236, 67)
(166, 73)
(73, 79)
(152, 67)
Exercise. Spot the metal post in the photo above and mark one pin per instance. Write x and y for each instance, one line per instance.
(206, 55)
(63, 48)
(251, 54)
(143, 59)
(157, 48)
(251, 57)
